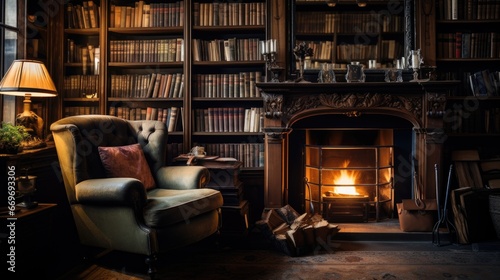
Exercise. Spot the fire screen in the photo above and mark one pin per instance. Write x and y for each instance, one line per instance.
(349, 183)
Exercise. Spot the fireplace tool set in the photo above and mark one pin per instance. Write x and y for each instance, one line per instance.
(443, 219)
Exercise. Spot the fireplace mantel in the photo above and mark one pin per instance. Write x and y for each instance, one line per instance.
(421, 103)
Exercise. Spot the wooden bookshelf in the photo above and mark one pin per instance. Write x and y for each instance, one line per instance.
(468, 49)
(81, 91)
(146, 68)
(347, 33)
(227, 62)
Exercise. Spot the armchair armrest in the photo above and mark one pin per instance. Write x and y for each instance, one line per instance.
(112, 192)
(182, 177)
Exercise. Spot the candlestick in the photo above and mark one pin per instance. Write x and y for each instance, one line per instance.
(416, 61)
(270, 59)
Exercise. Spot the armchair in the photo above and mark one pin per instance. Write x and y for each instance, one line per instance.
(121, 212)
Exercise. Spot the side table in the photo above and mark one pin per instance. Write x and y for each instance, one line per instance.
(224, 177)
(26, 241)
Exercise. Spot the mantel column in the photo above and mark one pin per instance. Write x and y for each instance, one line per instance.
(276, 157)
(275, 163)
(433, 137)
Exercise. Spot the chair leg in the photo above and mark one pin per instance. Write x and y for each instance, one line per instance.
(151, 262)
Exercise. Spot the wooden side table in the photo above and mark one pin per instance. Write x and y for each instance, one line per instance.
(42, 163)
(224, 177)
(26, 241)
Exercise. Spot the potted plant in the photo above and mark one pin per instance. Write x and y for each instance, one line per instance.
(11, 138)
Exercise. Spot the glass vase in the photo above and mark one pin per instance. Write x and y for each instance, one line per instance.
(326, 74)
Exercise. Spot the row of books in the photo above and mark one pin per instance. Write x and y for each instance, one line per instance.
(169, 116)
(356, 52)
(322, 50)
(229, 14)
(224, 119)
(327, 22)
(237, 85)
(468, 45)
(468, 9)
(80, 110)
(154, 85)
(391, 49)
(484, 83)
(80, 86)
(147, 50)
(463, 119)
(250, 154)
(81, 53)
(233, 49)
(142, 14)
(85, 15)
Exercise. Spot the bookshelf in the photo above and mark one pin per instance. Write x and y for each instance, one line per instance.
(347, 33)
(146, 65)
(171, 61)
(468, 49)
(227, 62)
(81, 88)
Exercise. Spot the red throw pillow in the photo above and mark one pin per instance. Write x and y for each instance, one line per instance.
(127, 161)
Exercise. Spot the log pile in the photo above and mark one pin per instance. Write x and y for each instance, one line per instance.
(296, 234)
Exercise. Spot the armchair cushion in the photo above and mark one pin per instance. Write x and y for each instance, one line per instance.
(127, 161)
(167, 207)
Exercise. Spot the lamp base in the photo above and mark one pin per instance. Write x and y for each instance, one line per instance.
(33, 124)
(33, 143)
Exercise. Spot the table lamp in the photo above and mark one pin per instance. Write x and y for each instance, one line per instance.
(29, 78)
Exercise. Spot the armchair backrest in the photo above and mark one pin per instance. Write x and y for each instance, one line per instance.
(77, 139)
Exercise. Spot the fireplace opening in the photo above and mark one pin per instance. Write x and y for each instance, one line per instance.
(376, 150)
(349, 183)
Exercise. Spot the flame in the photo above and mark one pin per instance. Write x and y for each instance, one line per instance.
(345, 181)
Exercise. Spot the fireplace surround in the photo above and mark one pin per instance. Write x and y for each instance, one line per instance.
(420, 104)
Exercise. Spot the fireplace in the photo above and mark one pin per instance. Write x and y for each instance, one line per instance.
(299, 115)
(349, 183)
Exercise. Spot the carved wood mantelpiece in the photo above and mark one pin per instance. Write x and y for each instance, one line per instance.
(285, 100)
(422, 104)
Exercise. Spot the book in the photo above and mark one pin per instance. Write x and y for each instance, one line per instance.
(177, 85)
(481, 87)
(465, 52)
(167, 90)
(151, 85)
(93, 14)
(458, 45)
(146, 15)
(172, 122)
(488, 83)
(473, 84)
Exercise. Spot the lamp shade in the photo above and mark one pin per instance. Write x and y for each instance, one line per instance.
(28, 77)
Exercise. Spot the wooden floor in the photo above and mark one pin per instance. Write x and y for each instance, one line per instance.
(384, 230)
(99, 272)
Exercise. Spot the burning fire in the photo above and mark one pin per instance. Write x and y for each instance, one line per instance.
(345, 181)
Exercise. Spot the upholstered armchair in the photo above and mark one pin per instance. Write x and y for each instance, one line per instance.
(121, 193)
